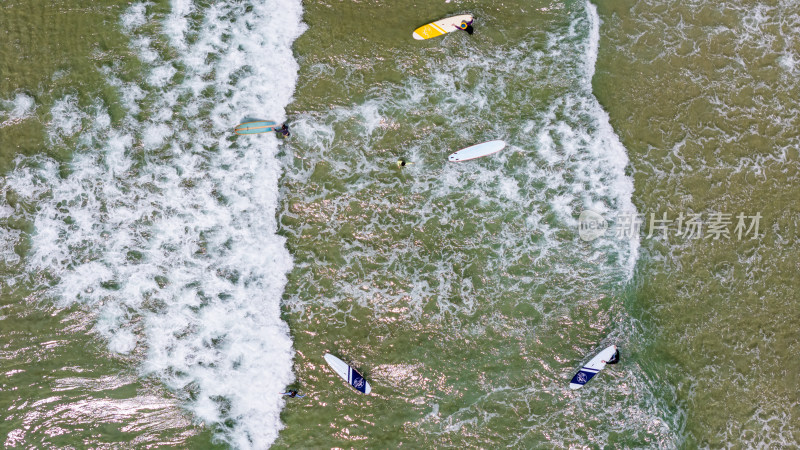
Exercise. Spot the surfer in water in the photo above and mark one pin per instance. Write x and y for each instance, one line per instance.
(293, 394)
(614, 359)
(283, 131)
(402, 163)
(466, 26)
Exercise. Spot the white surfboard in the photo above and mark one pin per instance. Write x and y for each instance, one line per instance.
(594, 367)
(348, 373)
(442, 26)
(477, 151)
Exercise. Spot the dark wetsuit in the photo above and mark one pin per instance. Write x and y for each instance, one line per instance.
(614, 359)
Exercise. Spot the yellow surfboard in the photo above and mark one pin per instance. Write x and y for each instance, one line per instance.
(441, 27)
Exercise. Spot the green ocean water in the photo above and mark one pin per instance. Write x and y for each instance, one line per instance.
(59, 385)
(463, 293)
(707, 108)
(434, 281)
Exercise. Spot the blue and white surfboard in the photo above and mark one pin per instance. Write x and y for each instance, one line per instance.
(348, 373)
(591, 369)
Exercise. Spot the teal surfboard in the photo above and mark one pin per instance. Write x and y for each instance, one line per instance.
(262, 126)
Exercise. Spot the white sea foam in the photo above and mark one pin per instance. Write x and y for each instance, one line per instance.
(165, 228)
(607, 150)
(135, 16)
(160, 76)
(66, 118)
(12, 111)
(143, 45)
(9, 238)
(155, 135)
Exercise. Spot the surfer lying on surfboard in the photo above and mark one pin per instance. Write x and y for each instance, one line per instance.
(293, 394)
(609, 355)
(466, 26)
(402, 163)
(283, 131)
